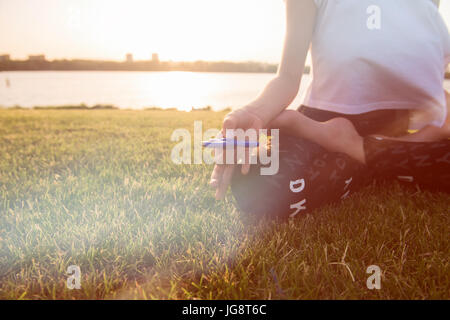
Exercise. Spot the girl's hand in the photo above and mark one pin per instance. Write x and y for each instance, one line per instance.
(222, 174)
(280, 92)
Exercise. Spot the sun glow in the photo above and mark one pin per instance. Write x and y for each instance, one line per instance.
(176, 29)
(178, 88)
(180, 30)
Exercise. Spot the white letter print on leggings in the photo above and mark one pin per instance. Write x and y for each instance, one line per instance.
(299, 206)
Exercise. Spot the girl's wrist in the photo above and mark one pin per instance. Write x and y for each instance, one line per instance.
(259, 111)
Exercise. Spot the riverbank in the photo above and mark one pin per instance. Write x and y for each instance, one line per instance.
(106, 107)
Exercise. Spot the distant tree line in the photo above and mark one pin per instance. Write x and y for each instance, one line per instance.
(198, 66)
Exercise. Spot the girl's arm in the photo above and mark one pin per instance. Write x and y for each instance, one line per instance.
(282, 90)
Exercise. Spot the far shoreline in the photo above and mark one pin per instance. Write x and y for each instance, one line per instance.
(112, 107)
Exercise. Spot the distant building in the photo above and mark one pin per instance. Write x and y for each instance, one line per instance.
(155, 58)
(129, 58)
(39, 57)
(4, 58)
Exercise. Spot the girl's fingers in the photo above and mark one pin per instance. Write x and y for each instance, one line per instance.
(245, 168)
(228, 123)
(216, 176)
(222, 174)
(225, 182)
(256, 125)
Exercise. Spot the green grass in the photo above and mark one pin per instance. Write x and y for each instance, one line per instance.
(96, 188)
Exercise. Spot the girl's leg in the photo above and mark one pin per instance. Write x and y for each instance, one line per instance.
(422, 157)
(309, 177)
(335, 135)
(424, 163)
(339, 134)
(427, 134)
(388, 122)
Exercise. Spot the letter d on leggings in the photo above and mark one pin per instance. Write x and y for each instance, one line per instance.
(274, 159)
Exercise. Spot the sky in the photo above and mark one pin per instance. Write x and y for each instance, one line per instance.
(233, 30)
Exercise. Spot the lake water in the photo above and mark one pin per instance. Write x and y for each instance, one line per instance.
(135, 90)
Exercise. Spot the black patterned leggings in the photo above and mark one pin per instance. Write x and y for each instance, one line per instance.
(310, 176)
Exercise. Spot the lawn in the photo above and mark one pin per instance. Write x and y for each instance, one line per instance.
(97, 189)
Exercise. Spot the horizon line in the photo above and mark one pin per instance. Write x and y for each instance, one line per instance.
(11, 58)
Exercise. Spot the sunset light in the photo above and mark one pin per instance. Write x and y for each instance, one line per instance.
(176, 29)
(230, 157)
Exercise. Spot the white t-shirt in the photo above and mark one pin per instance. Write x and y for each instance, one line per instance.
(380, 54)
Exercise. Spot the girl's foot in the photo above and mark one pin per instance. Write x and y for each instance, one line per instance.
(336, 135)
(341, 136)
